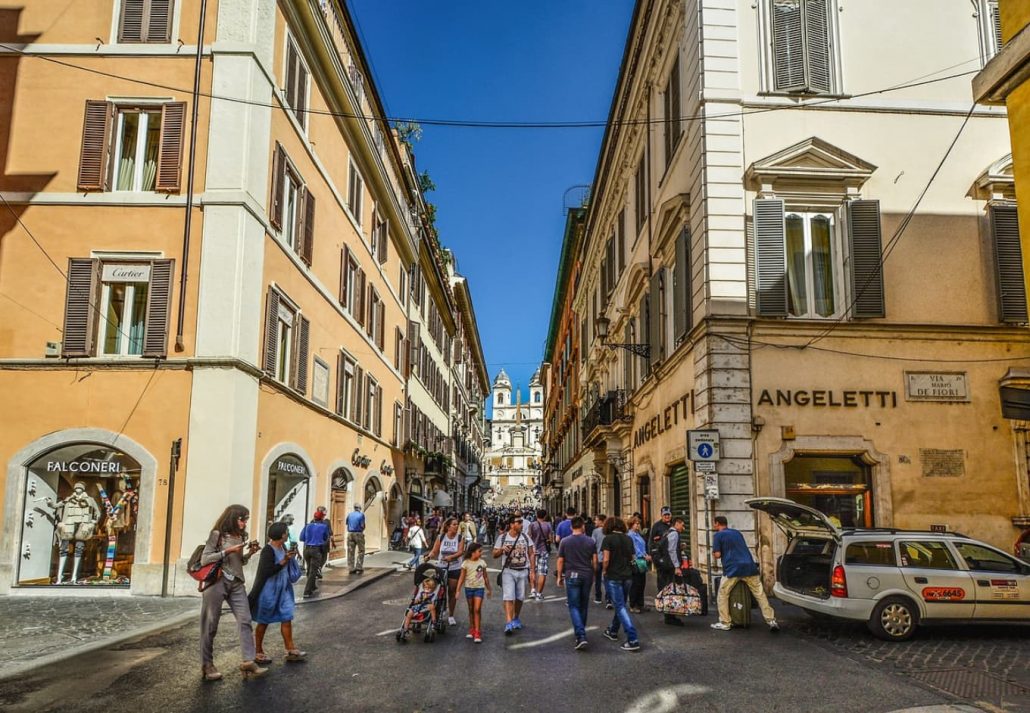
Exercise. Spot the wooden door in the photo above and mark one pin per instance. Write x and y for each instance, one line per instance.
(338, 521)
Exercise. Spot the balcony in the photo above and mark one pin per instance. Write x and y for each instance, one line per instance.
(607, 410)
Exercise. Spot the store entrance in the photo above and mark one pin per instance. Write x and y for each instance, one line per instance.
(342, 483)
(838, 485)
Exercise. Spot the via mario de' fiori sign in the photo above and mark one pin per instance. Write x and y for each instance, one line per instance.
(936, 386)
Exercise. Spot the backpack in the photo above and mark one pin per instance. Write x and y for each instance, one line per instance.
(660, 555)
(205, 574)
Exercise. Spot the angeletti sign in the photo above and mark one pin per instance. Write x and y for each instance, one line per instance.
(848, 398)
(936, 386)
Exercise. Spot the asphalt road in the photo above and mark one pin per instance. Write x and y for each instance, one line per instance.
(355, 665)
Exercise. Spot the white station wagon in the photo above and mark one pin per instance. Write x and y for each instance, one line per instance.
(893, 579)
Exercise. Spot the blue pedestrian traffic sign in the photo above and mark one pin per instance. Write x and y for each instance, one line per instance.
(705, 451)
(703, 445)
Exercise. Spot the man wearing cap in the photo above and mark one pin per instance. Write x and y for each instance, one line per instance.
(315, 537)
(659, 529)
(356, 540)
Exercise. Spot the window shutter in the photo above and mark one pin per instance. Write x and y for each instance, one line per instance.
(80, 311)
(995, 19)
(1008, 263)
(130, 25)
(159, 21)
(788, 45)
(271, 331)
(682, 315)
(370, 312)
(620, 240)
(817, 45)
(96, 146)
(308, 235)
(645, 328)
(291, 75)
(381, 325)
(654, 318)
(159, 307)
(300, 355)
(771, 256)
(358, 309)
(384, 240)
(169, 159)
(379, 411)
(414, 344)
(627, 358)
(341, 407)
(866, 259)
(358, 397)
(344, 263)
(278, 179)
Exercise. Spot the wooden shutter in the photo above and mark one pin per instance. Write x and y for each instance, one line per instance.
(654, 318)
(308, 233)
(620, 240)
(370, 308)
(381, 325)
(995, 20)
(275, 215)
(360, 297)
(645, 329)
(817, 45)
(788, 45)
(80, 311)
(159, 308)
(1008, 263)
(169, 158)
(358, 397)
(682, 314)
(300, 354)
(379, 411)
(627, 358)
(159, 21)
(130, 25)
(341, 407)
(413, 344)
(146, 21)
(771, 257)
(866, 259)
(96, 146)
(384, 240)
(271, 331)
(344, 264)
(291, 74)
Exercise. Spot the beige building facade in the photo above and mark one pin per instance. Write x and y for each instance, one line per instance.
(784, 247)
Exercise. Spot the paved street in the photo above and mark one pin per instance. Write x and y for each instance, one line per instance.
(356, 665)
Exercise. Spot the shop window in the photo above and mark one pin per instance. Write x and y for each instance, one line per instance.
(372, 489)
(926, 555)
(79, 522)
(288, 478)
(839, 486)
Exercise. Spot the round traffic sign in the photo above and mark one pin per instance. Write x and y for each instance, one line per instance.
(705, 450)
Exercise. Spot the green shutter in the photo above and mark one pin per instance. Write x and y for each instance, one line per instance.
(679, 497)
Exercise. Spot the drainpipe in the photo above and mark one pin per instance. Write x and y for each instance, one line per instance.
(173, 466)
(179, 345)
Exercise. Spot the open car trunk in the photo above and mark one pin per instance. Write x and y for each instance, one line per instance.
(807, 566)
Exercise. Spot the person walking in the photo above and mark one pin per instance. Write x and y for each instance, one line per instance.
(432, 526)
(518, 560)
(667, 560)
(448, 550)
(598, 536)
(639, 578)
(473, 577)
(328, 546)
(542, 535)
(729, 547)
(228, 545)
(417, 542)
(271, 598)
(467, 528)
(315, 537)
(564, 528)
(577, 562)
(356, 540)
(617, 569)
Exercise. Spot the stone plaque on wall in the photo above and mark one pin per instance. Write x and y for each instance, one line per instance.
(320, 382)
(939, 463)
(936, 386)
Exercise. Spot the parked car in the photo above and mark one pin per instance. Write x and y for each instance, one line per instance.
(893, 579)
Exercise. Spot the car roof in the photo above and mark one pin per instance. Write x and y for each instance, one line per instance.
(898, 531)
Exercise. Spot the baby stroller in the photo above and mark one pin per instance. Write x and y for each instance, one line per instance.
(421, 618)
(397, 538)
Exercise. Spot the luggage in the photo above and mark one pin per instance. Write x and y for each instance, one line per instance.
(678, 600)
(740, 606)
(692, 577)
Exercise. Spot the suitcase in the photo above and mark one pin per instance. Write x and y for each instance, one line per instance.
(693, 578)
(740, 606)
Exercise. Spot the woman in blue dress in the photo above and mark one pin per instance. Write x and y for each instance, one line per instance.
(271, 598)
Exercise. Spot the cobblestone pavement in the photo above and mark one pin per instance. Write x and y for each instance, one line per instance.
(986, 665)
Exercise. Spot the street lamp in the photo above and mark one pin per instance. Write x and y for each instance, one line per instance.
(601, 325)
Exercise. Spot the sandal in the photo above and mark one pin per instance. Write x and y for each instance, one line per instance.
(262, 659)
(296, 655)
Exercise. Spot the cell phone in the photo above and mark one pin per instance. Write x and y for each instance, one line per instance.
(293, 547)
(253, 543)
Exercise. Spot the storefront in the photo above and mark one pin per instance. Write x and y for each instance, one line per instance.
(417, 500)
(840, 486)
(289, 485)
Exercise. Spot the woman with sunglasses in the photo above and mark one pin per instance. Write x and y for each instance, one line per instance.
(228, 545)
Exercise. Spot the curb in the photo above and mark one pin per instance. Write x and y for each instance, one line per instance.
(16, 670)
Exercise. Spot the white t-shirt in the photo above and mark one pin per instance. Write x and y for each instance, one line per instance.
(416, 537)
(448, 547)
(520, 550)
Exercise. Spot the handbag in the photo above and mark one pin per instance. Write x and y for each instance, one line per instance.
(205, 574)
(293, 570)
(678, 599)
(640, 565)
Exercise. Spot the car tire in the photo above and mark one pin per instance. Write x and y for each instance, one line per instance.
(894, 619)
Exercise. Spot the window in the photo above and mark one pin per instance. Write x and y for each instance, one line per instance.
(398, 422)
(129, 147)
(292, 197)
(876, 554)
(145, 21)
(990, 29)
(926, 555)
(983, 559)
(620, 240)
(370, 416)
(292, 206)
(1008, 262)
(380, 236)
(811, 260)
(375, 326)
(296, 84)
(500, 399)
(682, 289)
(286, 342)
(641, 192)
(355, 193)
(345, 372)
(398, 349)
(802, 49)
(117, 308)
(673, 127)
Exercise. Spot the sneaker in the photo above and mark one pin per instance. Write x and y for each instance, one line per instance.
(477, 638)
(608, 605)
(581, 645)
(532, 594)
(635, 610)
(598, 601)
(774, 627)
(509, 629)
(470, 634)
(451, 621)
(722, 627)
(630, 646)
(516, 623)
(610, 635)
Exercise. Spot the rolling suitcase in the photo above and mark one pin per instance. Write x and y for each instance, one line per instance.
(740, 606)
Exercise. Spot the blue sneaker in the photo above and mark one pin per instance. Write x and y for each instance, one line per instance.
(509, 628)
(516, 624)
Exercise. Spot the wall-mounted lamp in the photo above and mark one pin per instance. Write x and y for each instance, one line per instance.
(601, 325)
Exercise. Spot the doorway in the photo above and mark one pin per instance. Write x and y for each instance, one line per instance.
(340, 504)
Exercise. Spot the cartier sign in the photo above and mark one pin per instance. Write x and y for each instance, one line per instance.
(359, 460)
(847, 398)
(664, 420)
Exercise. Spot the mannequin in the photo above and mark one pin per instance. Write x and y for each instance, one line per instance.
(120, 517)
(77, 517)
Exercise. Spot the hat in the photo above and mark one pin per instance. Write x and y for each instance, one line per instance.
(666, 510)
(319, 514)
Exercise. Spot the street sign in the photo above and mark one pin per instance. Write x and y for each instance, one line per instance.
(711, 486)
(703, 445)
(704, 467)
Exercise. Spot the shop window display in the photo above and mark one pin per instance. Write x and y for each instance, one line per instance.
(288, 479)
(839, 486)
(79, 522)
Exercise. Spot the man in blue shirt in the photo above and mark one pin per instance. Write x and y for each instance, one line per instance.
(315, 537)
(356, 541)
(737, 565)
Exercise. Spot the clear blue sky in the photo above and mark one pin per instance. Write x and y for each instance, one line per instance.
(499, 191)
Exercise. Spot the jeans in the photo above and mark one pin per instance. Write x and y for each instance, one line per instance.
(577, 596)
(617, 592)
(415, 558)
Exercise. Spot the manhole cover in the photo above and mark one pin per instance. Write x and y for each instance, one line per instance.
(972, 685)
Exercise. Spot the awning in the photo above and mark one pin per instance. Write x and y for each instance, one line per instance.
(413, 496)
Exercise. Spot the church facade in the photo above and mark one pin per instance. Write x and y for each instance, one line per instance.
(514, 454)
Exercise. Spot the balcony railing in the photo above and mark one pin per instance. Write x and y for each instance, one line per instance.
(607, 410)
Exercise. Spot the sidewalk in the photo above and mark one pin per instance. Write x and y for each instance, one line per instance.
(39, 630)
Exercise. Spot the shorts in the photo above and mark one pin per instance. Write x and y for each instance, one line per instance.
(542, 561)
(473, 593)
(513, 584)
(454, 574)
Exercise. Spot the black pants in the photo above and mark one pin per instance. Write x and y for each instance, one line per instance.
(665, 578)
(313, 563)
(598, 584)
(636, 592)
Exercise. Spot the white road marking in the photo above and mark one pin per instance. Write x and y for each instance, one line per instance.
(665, 700)
(388, 631)
(549, 640)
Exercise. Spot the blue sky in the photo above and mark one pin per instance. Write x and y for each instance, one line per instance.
(500, 191)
